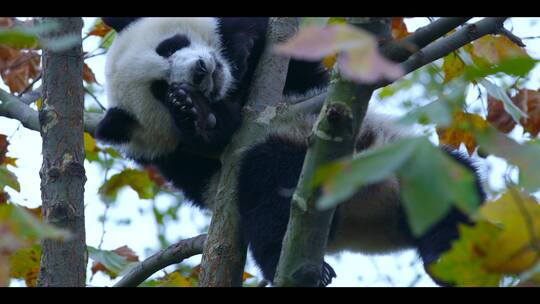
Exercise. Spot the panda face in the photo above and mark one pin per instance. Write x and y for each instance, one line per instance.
(152, 53)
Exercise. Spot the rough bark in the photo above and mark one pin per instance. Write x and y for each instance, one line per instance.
(63, 263)
(225, 250)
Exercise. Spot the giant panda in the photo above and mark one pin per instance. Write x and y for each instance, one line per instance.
(176, 87)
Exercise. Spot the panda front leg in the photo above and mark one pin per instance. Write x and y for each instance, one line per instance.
(268, 175)
(203, 124)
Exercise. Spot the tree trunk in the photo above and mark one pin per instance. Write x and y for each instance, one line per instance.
(63, 263)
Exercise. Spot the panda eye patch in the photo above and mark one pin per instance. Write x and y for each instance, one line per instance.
(168, 46)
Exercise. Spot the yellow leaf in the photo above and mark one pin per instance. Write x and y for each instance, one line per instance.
(24, 264)
(492, 49)
(89, 143)
(175, 279)
(517, 247)
(329, 61)
(452, 67)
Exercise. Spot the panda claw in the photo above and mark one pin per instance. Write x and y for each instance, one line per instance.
(327, 274)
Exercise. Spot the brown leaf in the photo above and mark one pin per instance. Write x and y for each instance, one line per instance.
(88, 75)
(529, 102)
(399, 29)
(127, 252)
(7, 22)
(124, 251)
(3, 197)
(155, 176)
(3, 148)
(18, 67)
(498, 117)
(526, 100)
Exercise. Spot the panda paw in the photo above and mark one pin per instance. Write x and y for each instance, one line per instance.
(181, 104)
(327, 274)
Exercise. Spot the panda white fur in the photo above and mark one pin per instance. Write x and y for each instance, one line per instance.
(176, 87)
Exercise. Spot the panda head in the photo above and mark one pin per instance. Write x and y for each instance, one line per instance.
(150, 54)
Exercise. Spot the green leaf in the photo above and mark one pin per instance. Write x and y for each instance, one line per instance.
(106, 41)
(463, 263)
(25, 36)
(135, 179)
(9, 179)
(369, 167)
(525, 156)
(114, 263)
(431, 183)
(500, 94)
(27, 226)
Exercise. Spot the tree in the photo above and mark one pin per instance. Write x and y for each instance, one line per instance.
(374, 54)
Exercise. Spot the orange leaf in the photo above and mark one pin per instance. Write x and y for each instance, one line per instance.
(88, 75)
(399, 29)
(460, 131)
(100, 29)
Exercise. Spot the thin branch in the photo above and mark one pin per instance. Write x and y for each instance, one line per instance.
(173, 254)
(430, 53)
(13, 107)
(515, 39)
(95, 99)
(400, 50)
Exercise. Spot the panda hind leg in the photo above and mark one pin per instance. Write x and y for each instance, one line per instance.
(268, 176)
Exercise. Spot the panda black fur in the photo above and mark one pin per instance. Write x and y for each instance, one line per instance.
(176, 87)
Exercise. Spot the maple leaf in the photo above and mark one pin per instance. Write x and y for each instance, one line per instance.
(526, 100)
(18, 67)
(460, 131)
(399, 28)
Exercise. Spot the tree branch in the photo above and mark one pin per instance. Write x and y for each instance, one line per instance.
(401, 50)
(333, 136)
(445, 46)
(15, 108)
(430, 53)
(173, 254)
(225, 250)
(515, 39)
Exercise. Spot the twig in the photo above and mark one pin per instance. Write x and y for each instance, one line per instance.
(400, 50)
(173, 254)
(515, 39)
(95, 99)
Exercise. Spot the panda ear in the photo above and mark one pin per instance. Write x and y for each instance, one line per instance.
(119, 23)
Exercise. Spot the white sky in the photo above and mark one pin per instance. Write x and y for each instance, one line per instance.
(140, 235)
